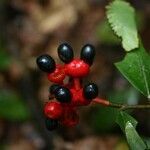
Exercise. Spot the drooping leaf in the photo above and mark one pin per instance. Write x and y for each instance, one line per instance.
(136, 68)
(12, 107)
(121, 17)
(134, 140)
(122, 118)
(128, 125)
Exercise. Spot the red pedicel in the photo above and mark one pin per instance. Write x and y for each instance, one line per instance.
(70, 117)
(78, 98)
(58, 75)
(77, 68)
(53, 110)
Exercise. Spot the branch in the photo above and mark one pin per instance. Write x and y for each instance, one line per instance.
(120, 106)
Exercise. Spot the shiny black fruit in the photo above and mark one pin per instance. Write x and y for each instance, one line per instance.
(63, 95)
(65, 52)
(53, 88)
(90, 91)
(46, 63)
(88, 53)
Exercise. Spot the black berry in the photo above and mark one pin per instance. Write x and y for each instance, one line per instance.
(53, 88)
(90, 91)
(65, 52)
(88, 53)
(63, 95)
(51, 124)
(46, 63)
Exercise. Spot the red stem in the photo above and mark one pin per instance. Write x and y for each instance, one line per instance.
(120, 106)
(77, 83)
(101, 101)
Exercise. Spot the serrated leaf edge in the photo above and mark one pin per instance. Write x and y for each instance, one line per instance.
(114, 28)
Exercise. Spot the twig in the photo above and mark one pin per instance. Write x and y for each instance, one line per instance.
(120, 106)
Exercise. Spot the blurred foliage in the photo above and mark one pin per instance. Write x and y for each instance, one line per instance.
(105, 34)
(12, 107)
(4, 60)
(2, 147)
(104, 118)
(122, 145)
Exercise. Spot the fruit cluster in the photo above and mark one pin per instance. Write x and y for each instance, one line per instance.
(65, 98)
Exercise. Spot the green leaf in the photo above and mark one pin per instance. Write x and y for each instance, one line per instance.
(122, 118)
(136, 68)
(134, 140)
(128, 125)
(147, 141)
(121, 17)
(12, 107)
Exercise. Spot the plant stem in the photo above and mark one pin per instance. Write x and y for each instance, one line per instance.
(77, 84)
(120, 106)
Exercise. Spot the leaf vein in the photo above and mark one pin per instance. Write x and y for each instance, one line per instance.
(141, 65)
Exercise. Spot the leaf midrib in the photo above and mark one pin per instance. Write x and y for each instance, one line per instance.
(141, 65)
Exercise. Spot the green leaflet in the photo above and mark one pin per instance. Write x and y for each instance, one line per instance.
(121, 17)
(128, 125)
(122, 118)
(134, 140)
(136, 68)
